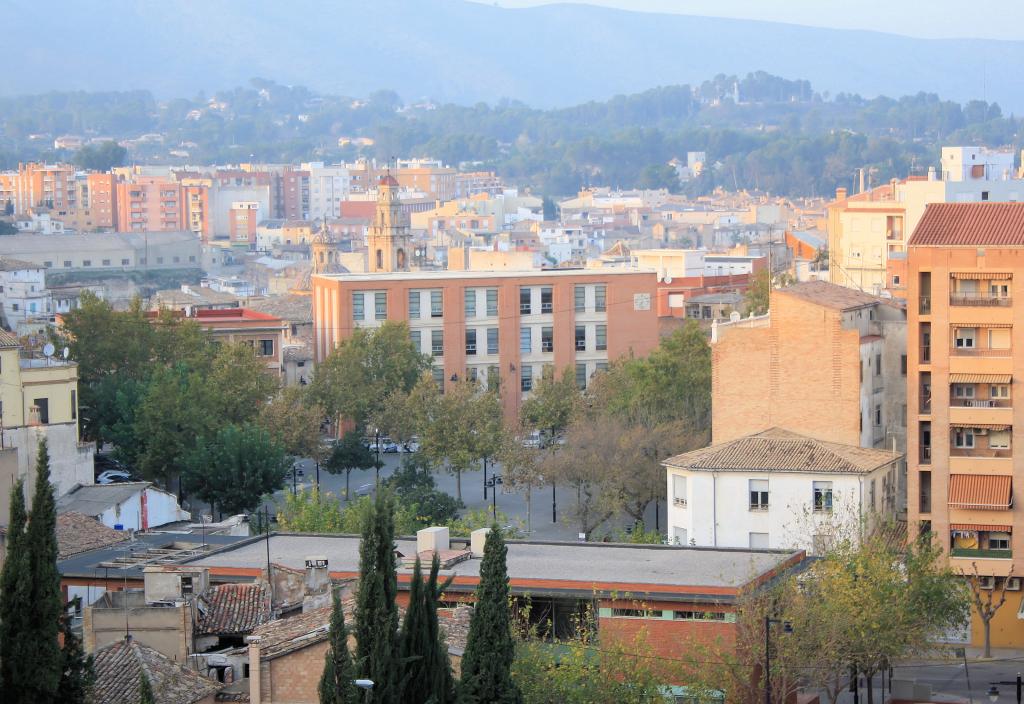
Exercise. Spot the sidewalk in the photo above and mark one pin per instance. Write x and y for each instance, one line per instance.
(973, 654)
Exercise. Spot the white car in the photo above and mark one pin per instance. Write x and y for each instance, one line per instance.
(113, 476)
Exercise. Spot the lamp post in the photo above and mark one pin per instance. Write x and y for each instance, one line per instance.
(366, 685)
(786, 628)
(493, 483)
(993, 691)
(376, 447)
(485, 479)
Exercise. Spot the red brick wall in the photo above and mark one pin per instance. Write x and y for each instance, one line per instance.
(294, 678)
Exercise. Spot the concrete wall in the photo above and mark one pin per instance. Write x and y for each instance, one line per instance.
(166, 629)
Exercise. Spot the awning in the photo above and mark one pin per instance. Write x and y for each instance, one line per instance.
(986, 492)
(990, 275)
(981, 326)
(979, 378)
(980, 526)
(983, 426)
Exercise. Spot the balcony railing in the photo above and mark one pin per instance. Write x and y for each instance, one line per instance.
(979, 299)
(926, 404)
(981, 402)
(978, 552)
(926, 354)
(925, 305)
(979, 453)
(926, 455)
(980, 352)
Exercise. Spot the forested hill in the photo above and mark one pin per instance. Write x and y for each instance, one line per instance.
(782, 136)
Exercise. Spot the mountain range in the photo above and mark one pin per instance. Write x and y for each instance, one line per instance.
(457, 51)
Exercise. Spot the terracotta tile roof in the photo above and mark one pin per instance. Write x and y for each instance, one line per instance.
(119, 667)
(284, 635)
(780, 450)
(980, 491)
(78, 533)
(828, 295)
(970, 225)
(8, 340)
(233, 609)
(980, 526)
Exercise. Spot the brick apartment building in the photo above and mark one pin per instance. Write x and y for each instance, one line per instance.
(966, 333)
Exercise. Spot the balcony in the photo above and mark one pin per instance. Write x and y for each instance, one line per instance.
(925, 305)
(981, 553)
(926, 455)
(980, 403)
(980, 352)
(979, 299)
(980, 453)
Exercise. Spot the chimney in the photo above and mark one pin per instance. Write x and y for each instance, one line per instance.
(434, 539)
(316, 588)
(892, 182)
(840, 193)
(931, 173)
(861, 182)
(254, 670)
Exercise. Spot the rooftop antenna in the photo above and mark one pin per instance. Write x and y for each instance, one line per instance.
(48, 350)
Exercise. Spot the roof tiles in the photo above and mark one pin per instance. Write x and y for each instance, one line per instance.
(970, 225)
(120, 666)
(829, 295)
(231, 609)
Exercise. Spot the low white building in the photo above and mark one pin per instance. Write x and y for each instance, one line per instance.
(777, 489)
(24, 298)
(125, 506)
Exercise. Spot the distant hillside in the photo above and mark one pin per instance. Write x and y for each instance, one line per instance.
(451, 50)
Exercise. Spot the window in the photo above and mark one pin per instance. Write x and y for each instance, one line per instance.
(414, 337)
(998, 541)
(438, 375)
(48, 264)
(963, 438)
(878, 365)
(633, 613)
(414, 305)
(43, 404)
(878, 416)
(963, 390)
(581, 338)
(546, 305)
(759, 541)
(999, 391)
(601, 367)
(758, 494)
(493, 378)
(436, 304)
(265, 348)
(380, 305)
(984, 195)
(470, 342)
(903, 364)
(74, 405)
(470, 303)
(87, 262)
(822, 496)
(525, 305)
(526, 377)
(580, 295)
(581, 376)
(600, 291)
(67, 263)
(125, 262)
(525, 340)
(547, 339)
(437, 343)
(965, 338)
(492, 302)
(358, 306)
(999, 439)
(601, 335)
(472, 374)
(106, 262)
(699, 616)
(895, 280)
(679, 490)
(492, 340)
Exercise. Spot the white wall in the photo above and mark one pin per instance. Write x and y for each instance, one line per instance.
(161, 509)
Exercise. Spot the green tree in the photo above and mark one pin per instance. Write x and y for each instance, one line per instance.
(313, 511)
(237, 385)
(423, 651)
(336, 683)
(294, 421)
(416, 491)
(77, 674)
(100, 157)
(658, 176)
(170, 417)
(235, 467)
(376, 611)
(15, 593)
(490, 650)
(349, 453)
(358, 375)
(553, 405)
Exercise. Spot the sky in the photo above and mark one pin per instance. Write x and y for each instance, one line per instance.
(988, 19)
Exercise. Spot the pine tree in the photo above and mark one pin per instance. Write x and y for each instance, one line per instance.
(77, 673)
(376, 612)
(336, 684)
(14, 602)
(487, 661)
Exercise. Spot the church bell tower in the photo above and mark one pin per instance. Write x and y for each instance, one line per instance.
(389, 241)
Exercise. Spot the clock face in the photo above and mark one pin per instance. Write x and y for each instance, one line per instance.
(641, 301)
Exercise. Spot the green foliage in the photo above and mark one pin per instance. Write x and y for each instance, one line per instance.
(659, 176)
(235, 467)
(313, 511)
(490, 649)
(638, 535)
(100, 157)
(336, 682)
(7, 228)
(347, 454)
(477, 518)
(758, 296)
(145, 689)
(427, 670)
(294, 421)
(376, 612)
(77, 673)
(15, 592)
(553, 404)
(550, 208)
(416, 490)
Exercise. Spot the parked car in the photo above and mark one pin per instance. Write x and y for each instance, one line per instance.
(412, 445)
(532, 440)
(364, 490)
(113, 476)
(389, 446)
(103, 463)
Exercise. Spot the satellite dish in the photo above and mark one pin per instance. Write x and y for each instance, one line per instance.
(65, 352)
(48, 349)
(668, 279)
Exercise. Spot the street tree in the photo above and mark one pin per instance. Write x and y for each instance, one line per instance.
(235, 467)
(169, 418)
(294, 420)
(553, 405)
(521, 468)
(986, 601)
(337, 681)
(347, 454)
(237, 385)
(490, 649)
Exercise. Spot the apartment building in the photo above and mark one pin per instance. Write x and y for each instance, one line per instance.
(866, 230)
(35, 186)
(427, 176)
(151, 204)
(966, 335)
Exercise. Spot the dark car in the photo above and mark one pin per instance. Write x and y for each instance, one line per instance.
(106, 463)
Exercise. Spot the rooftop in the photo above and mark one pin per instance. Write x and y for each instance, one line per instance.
(94, 499)
(233, 608)
(8, 339)
(78, 533)
(11, 264)
(126, 559)
(829, 295)
(293, 308)
(777, 450)
(120, 666)
(447, 274)
(970, 225)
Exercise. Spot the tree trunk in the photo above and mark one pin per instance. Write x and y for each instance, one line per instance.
(529, 509)
(458, 484)
(868, 678)
(987, 623)
(348, 473)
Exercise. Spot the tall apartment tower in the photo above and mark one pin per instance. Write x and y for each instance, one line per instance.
(389, 240)
(965, 345)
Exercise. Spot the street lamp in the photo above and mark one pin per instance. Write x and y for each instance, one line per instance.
(993, 691)
(376, 447)
(493, 483)
(787, 627)
(366, 685)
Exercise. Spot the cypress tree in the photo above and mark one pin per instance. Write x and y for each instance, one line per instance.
(336, 684)
(487, 661)
(428, 672)
(15, 606)
(436, 664)
(376, 612)
(77, 673)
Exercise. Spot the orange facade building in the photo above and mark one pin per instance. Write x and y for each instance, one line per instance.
(151, 204)
(965, 334)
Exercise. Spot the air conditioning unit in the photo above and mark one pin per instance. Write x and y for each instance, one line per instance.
(987, 583)
(1013, 584)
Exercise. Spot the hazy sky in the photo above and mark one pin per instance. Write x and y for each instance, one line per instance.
(994, 19)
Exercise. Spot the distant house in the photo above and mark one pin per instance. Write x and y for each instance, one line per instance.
(126, 506)
(121, 666)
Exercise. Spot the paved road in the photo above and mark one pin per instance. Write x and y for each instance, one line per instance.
(534, 520)
(948, 680)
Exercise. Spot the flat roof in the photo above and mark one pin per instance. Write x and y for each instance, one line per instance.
(501, 274)
(563, 566)
(130, 554)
